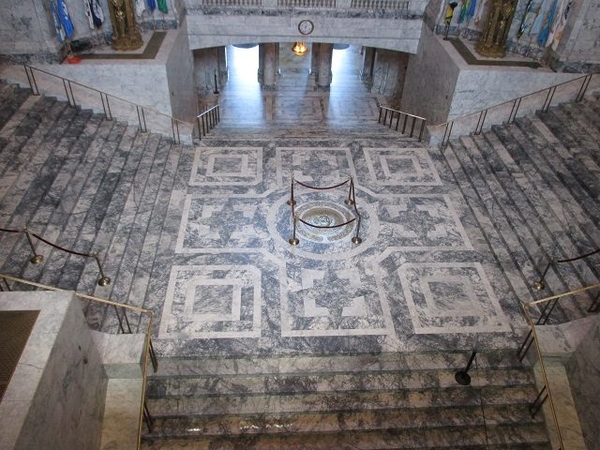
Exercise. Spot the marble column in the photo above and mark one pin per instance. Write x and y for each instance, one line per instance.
(222, 64)
(314, 59)
(368, 62)
(268, 65)
(324, 75)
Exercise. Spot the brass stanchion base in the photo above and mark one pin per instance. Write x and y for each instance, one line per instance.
(104, 281)
(294, 241)
(539, 285)
(36, 259)
(356, 240)
(291, 202)
(348, 201)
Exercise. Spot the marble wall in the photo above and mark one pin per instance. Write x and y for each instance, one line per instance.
(583, 369)
(389, 74)
(56, 396)
(21, 30)
(180, 76)
(431, 79)
(224, 29)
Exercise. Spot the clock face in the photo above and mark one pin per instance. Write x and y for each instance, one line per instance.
(306, 27)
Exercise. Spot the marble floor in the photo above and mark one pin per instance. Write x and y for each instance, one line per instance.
(420, 280)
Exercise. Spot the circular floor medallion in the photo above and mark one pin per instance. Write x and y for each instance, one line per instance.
(323, 221)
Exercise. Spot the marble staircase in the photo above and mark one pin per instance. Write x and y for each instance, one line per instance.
(533, 188)
(386, 401)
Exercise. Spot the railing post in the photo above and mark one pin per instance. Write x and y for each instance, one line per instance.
(447, 133)
(422, 129)
(141, 119)
(462, 377)
(380, 113)
(594, 306)
(548, 99)
(514, 110)
(584, 86)
(31, 79)
(69, 92)
(538, 402)
(106, 106)
(524, 348)
(480, 122)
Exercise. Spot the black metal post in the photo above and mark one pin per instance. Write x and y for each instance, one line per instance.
(462, 377)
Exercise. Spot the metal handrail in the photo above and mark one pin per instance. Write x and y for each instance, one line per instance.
(104, 98)
(546, 392)
(207, 120)
(515, 105)
(383, 115)
(532, 338)
(148, 354)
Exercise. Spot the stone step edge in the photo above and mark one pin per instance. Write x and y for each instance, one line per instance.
(344, 364)
(495, 434)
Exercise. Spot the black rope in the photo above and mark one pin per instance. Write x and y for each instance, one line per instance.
(326, 226)
(321, 188)
(59, 247)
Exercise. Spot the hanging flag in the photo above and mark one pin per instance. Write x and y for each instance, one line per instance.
(543, 36)
(65, 19)
(151, 5)
(472, 9)
(140, 7)
(97, 13)
(560, 23)
(464, 7)
(60, 33)
(162, 6)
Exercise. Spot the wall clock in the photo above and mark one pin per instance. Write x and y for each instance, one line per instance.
(306, 27)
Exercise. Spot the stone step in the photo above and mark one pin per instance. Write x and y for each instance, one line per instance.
(11, 99)
(301, 364)
(339, 401)
(476, 437)
(338, 382)
(540, 218)
(341, 421)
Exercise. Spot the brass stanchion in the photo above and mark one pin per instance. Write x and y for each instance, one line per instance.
(36, 258)
(103, 280)
(294, 240)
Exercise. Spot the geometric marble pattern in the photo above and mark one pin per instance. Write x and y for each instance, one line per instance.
(236, 222)
(212, 302)
(451, 298)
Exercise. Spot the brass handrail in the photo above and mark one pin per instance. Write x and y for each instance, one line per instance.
(516, 104)
(148, 354)
(104, 97)
(546, 390)
(383, 115)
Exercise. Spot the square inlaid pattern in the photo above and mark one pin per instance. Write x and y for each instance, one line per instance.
(227, 166)
(451, 298)
(401, 166)
(212, 302)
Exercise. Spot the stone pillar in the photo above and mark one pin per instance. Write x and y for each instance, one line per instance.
(222, 64)
(324, 75)
(366, 73)
(314, 60)
(268, 55)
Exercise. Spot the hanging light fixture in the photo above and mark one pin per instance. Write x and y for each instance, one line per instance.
(299, 48)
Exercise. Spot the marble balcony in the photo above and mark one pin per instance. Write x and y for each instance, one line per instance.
(265, 345)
